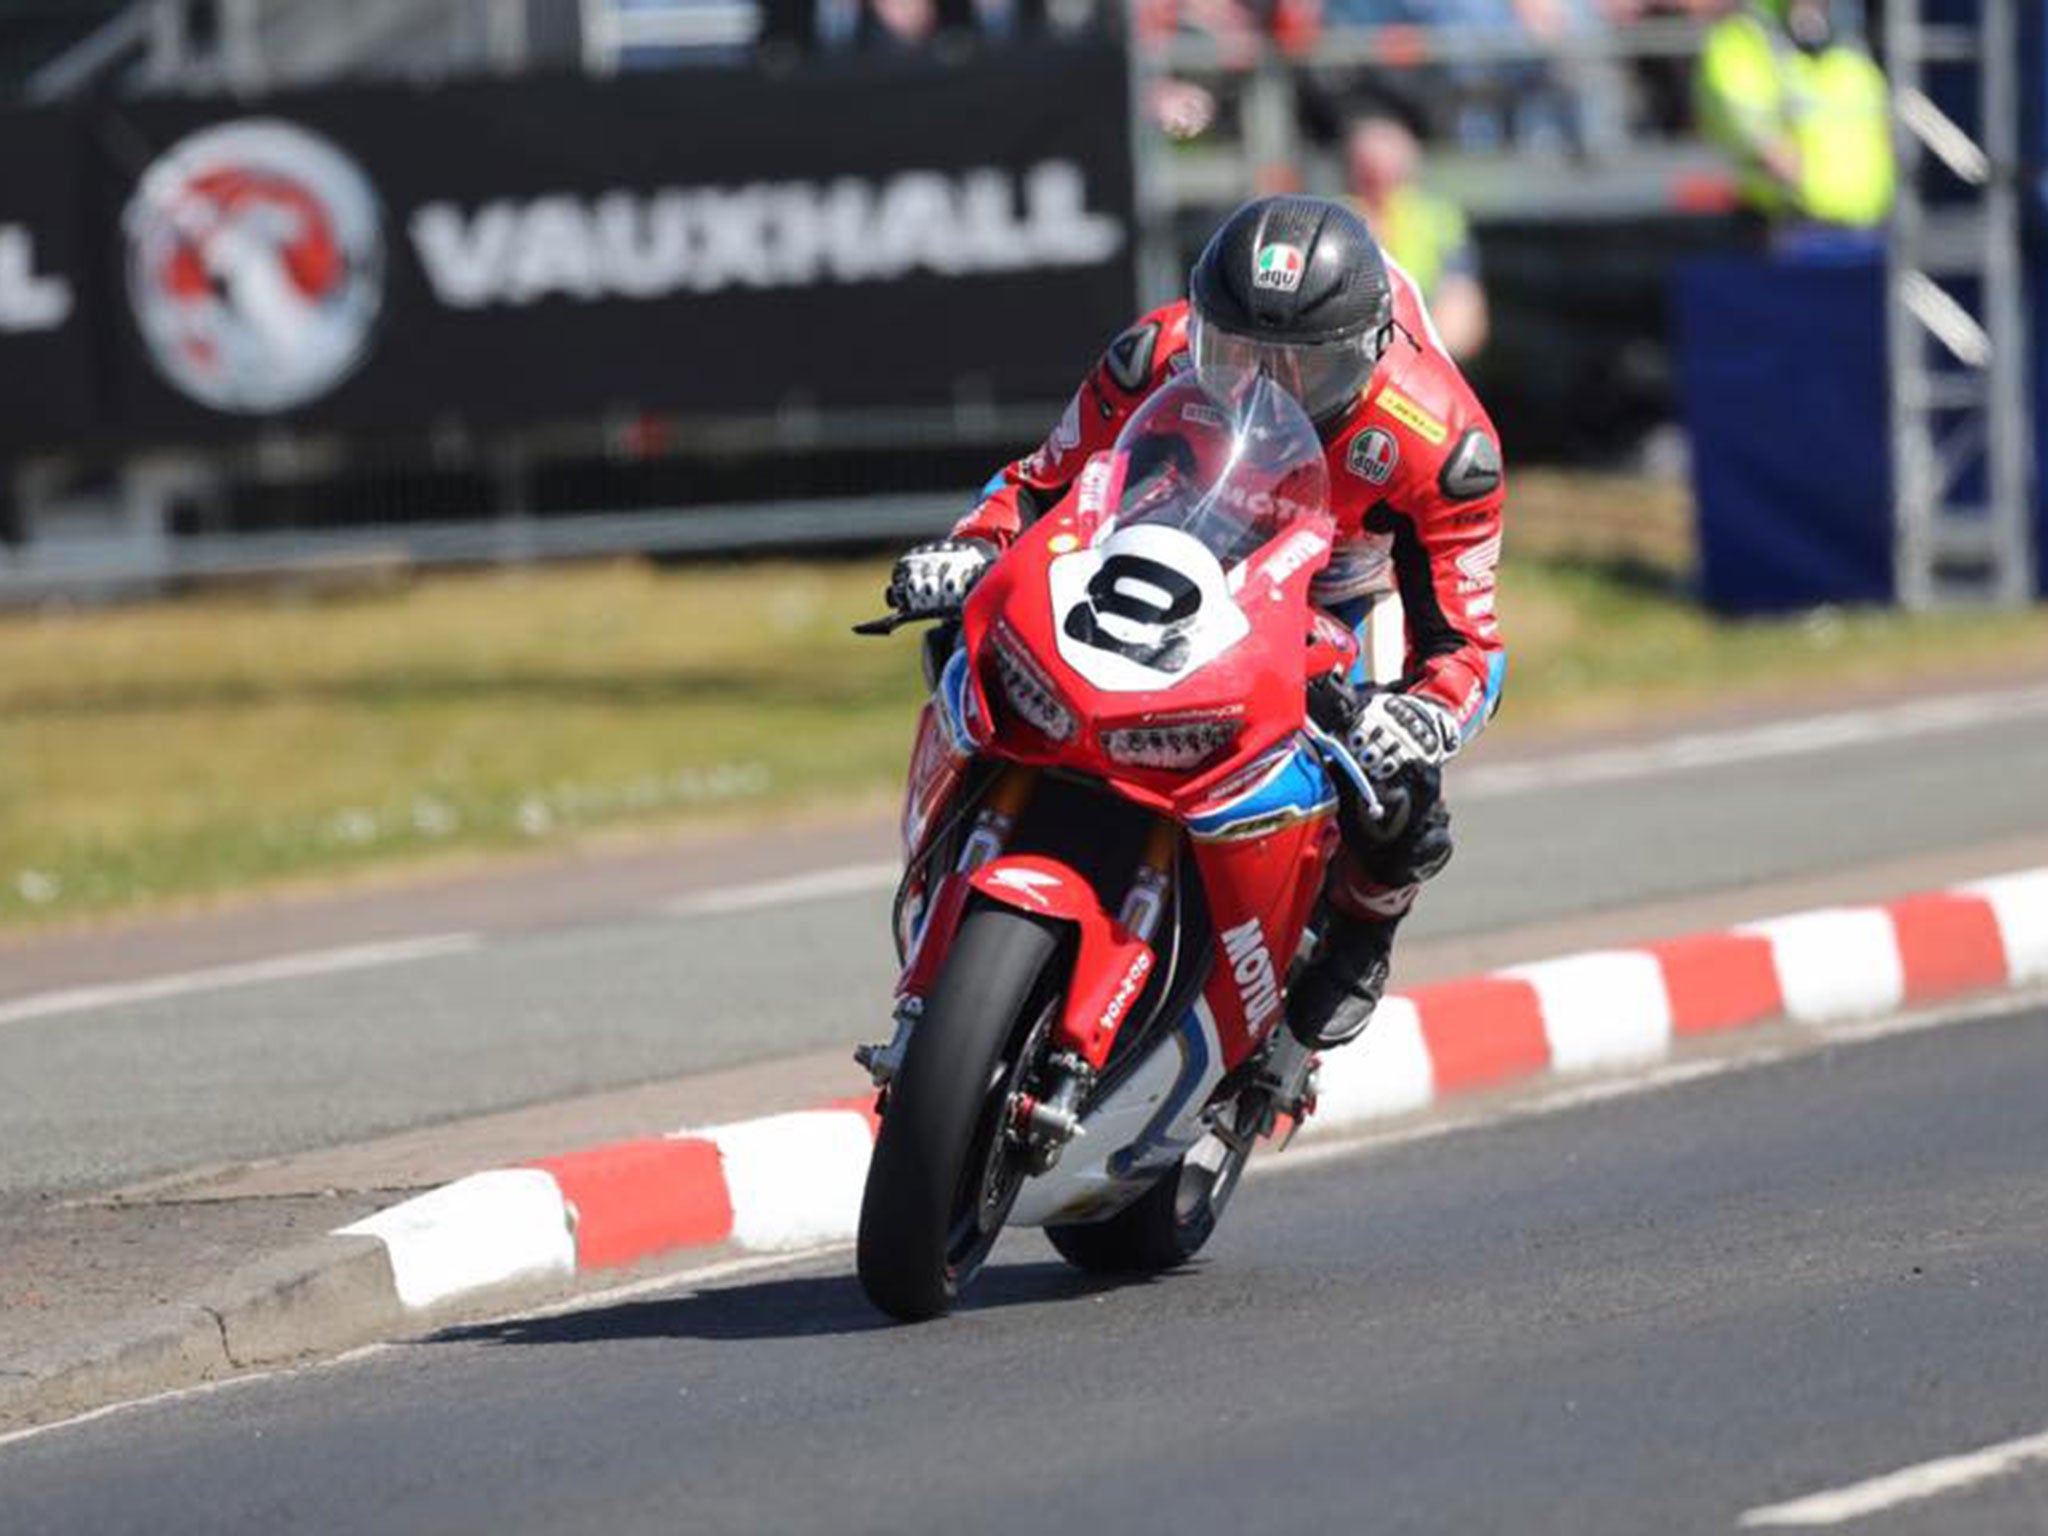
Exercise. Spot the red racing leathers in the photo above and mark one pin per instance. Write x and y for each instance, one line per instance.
(1417, 485)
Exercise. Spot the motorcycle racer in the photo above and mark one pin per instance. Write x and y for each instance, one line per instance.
(1298, 289)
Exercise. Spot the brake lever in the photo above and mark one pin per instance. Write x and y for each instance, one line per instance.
(1335, 751)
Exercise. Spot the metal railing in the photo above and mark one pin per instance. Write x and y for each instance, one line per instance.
(254, 45)
(636, 32)
(117, 562)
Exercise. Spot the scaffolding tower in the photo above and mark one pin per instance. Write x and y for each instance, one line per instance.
(1961, 418)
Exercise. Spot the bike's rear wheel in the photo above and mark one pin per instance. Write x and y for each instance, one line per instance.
(945, 1172)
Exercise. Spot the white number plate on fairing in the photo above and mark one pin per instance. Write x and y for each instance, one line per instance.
(1143, 610)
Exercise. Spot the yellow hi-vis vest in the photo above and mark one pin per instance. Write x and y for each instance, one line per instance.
(1421, 232)
(1755, 88)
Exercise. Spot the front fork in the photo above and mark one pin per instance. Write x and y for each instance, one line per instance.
(1043, 1123)
(986, 839)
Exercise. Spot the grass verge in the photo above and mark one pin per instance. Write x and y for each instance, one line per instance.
(218, 743)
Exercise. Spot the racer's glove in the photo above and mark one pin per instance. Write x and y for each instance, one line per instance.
(1398, 733)
(935, 578)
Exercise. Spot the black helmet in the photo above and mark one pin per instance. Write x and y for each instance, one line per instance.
(1296, 288)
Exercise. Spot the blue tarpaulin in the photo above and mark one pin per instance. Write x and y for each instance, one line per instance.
(1781, 364)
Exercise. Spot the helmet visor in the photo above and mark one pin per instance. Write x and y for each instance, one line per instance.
(1324, 376)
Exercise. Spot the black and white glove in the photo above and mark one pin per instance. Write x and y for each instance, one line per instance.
(1398, 732)
(935, 578)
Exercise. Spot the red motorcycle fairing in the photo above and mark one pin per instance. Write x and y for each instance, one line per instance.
(1261, 892)
(1111, 964)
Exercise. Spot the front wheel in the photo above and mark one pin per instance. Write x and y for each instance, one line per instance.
(946, 1171)
(1168, 1224)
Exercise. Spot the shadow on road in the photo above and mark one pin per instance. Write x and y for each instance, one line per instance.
(807, 1307)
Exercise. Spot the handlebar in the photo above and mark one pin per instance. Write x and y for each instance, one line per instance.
(889, 623)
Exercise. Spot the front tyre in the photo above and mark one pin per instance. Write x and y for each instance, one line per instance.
(945, 1172)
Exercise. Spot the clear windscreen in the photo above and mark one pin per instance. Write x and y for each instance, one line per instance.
(1225, 456)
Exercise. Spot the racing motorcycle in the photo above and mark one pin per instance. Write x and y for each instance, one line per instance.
(1118, 817)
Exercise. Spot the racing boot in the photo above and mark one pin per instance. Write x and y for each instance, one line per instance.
(1329, 1004)
(1333, 999)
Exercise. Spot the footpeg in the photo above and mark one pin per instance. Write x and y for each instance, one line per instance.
(1286, 1086)
(1304, 1105)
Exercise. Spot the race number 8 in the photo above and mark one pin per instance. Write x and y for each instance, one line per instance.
(1142, 591)
(1146, 599)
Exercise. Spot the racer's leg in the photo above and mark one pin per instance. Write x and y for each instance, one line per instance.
(1378, 872)
(1372, 885)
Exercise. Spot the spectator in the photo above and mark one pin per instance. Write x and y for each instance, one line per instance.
(1802, 110)
(1426, 234)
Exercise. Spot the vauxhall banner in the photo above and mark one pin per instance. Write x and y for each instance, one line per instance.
(881, 233)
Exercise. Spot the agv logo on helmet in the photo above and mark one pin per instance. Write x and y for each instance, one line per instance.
(1279, 268)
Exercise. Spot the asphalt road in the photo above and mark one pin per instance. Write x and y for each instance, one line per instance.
(1649, 1313)
(95, 1097)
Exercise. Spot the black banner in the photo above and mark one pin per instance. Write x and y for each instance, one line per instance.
(47, 344)
(872, 233)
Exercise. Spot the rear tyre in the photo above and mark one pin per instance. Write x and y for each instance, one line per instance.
(1167, 1225)
(945, 1173)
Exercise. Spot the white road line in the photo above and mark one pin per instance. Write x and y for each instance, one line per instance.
(818, 885)
(180, 1394)
(1909, 1485)
(697, 1278)
(1749, 744)
(316, 962)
